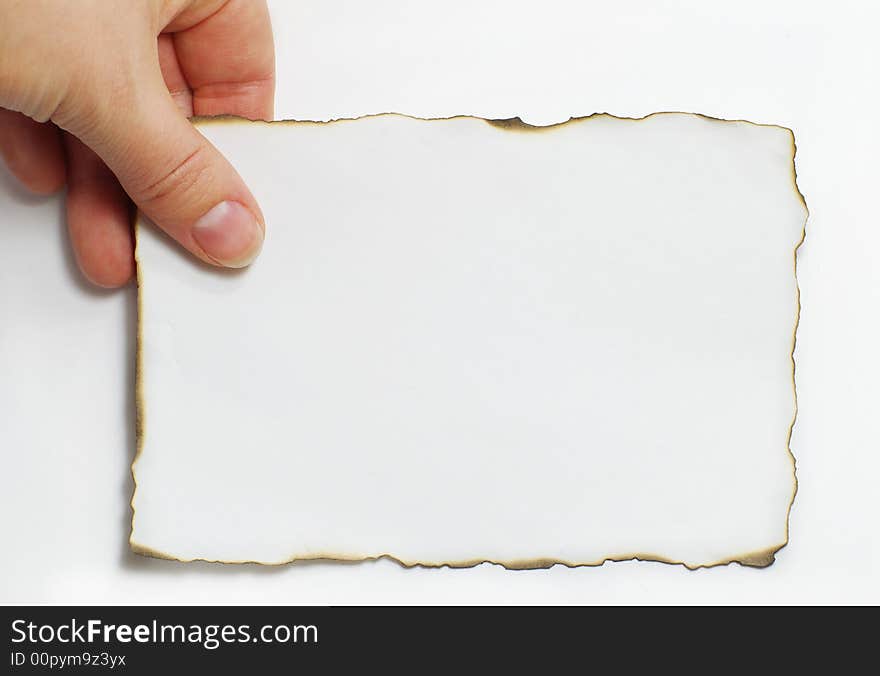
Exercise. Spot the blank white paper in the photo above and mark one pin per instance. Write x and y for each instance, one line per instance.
(472, 341)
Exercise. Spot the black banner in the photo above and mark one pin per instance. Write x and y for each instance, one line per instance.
(409, 639)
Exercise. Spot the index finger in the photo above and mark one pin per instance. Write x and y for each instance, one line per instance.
(228, 59)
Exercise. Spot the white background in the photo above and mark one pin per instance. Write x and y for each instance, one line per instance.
(66, 368)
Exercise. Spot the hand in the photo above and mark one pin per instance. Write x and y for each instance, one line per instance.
(95, 94)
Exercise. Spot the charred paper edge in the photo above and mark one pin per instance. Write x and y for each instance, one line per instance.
(755, 559)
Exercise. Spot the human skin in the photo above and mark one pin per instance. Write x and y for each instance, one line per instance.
(95, 95)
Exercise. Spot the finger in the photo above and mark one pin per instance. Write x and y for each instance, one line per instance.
(173, 76)
(32, 151)
(228, 60)
(98, 218)
(170, 170)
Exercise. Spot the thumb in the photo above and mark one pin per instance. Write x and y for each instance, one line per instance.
(174, 175)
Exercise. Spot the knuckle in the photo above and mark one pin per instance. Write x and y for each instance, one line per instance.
(38, 99)
(186, 175)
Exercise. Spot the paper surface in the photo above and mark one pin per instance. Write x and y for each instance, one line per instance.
(475, 341)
